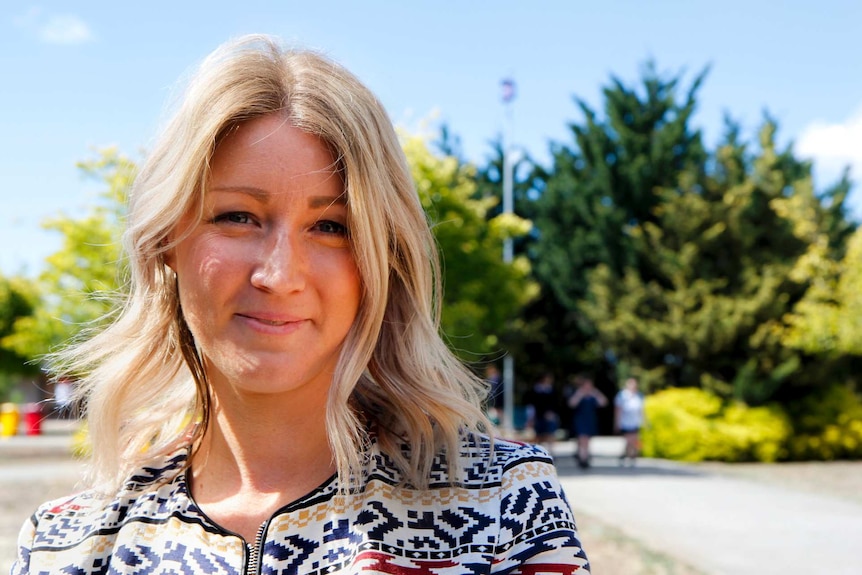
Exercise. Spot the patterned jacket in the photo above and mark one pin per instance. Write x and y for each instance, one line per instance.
(507, 514)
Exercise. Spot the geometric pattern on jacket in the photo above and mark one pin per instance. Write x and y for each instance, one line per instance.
(505, 514)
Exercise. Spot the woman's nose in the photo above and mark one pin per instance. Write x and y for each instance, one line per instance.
(280, 264)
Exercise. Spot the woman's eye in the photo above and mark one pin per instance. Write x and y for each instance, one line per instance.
(233, 218)
(330, 227)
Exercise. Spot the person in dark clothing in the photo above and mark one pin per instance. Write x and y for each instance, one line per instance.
(542, 403)
(585, 403)
(496, 400)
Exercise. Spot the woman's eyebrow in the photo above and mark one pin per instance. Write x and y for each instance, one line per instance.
(264, 196)
(258, 193)
(324, 201)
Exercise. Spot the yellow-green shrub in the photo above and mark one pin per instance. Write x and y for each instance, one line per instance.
(828, 426)
(689, 424)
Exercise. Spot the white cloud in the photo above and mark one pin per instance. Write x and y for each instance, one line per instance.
(55, 28)
(834, 146)
(65, 29)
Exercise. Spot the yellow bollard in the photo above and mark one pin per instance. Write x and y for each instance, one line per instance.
(10, 417)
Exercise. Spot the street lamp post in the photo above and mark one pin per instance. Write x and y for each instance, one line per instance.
(508, 86)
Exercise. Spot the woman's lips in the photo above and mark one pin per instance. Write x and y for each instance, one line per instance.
(271, 324)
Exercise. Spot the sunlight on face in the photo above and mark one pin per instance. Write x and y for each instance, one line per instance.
(268, 282)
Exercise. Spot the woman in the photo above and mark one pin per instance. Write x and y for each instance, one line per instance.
(629, 418)
(585, 404)
(274, 396)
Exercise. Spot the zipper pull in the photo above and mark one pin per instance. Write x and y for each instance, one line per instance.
(254, 551)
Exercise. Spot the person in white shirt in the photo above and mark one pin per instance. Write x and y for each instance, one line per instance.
(629, 418)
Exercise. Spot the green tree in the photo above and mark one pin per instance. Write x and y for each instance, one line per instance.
(715, 274)
(827, 321)
(595, 190)
(482, 295)
(17, 301)
(76, 287)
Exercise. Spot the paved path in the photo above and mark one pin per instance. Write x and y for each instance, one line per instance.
(33, 469)
(721, 525)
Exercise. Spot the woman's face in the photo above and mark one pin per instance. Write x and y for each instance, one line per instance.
(267, 279)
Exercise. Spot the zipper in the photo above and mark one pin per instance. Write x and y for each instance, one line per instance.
(255, 551)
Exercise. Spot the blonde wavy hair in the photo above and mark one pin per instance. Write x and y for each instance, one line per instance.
(143, 383)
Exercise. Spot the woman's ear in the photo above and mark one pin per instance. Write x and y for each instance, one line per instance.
(168, 256)
(169, 260)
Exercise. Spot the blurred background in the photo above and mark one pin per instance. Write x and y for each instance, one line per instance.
(665, 191)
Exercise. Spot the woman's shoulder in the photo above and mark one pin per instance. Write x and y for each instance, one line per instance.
(483, 462)
(92, 508)
(492, 460)
(506, 453)
(77, 504)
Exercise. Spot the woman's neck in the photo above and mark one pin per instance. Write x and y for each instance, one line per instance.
(258, 458)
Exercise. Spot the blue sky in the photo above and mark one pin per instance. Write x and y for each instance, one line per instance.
(85, 75)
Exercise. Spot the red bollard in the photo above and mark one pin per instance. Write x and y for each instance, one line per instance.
(33, 419)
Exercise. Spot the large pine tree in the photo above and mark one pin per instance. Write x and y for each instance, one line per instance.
(658, 256)
(705, 303)
(595, 190)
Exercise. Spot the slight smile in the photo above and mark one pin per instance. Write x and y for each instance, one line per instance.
(271, 325)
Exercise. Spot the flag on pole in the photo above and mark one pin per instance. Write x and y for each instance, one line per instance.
(508, 86)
